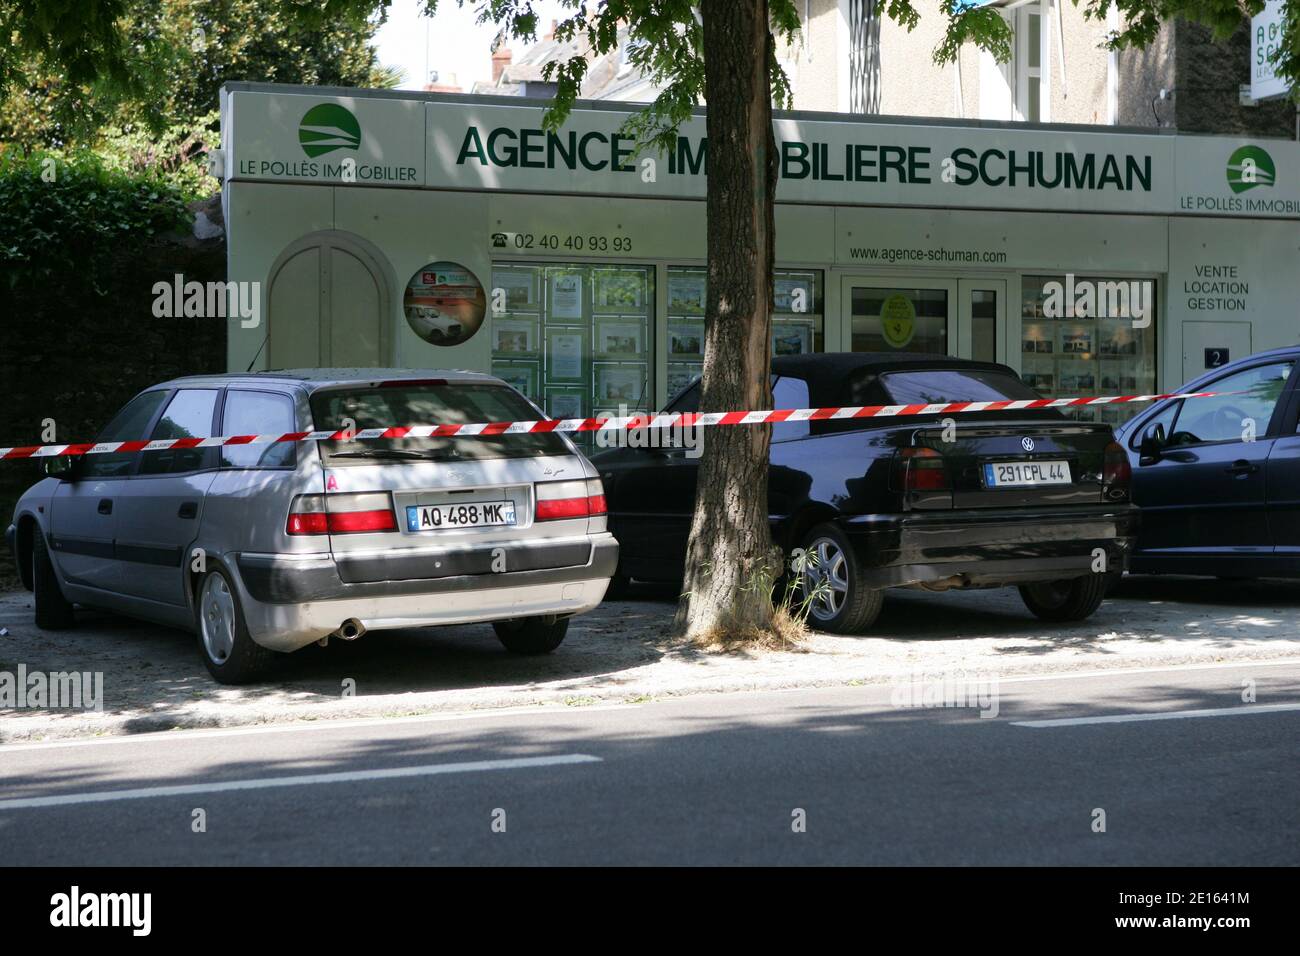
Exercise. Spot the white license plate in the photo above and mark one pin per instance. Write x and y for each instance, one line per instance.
(470, 514)
(1025, 474)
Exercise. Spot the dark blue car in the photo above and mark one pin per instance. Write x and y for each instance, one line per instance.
(1218, 479)
(1029, 499)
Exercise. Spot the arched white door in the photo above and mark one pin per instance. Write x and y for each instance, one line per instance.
(328, 305)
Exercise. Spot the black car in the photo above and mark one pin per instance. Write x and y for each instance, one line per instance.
(978, 499)
(1218, 479)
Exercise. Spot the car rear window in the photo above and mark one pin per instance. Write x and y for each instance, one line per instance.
(936, 386)
(428, 403)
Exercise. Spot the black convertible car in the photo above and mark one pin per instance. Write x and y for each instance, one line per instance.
(982, 499)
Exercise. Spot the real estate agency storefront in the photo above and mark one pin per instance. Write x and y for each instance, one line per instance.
(429, 231)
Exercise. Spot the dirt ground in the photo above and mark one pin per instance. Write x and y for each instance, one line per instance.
(153, 678)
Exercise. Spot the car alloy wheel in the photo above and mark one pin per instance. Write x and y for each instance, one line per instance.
(217, 618)
(830, 567)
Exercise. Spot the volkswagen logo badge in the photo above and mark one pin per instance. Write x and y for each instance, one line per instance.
(1027, 443)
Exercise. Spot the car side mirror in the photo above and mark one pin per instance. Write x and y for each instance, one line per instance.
(1153, 444)
(61, 467)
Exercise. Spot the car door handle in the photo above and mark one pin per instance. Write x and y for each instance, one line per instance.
(1241, 467)
(188, 509)
(105, 506)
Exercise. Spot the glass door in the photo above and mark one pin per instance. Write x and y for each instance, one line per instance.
(899, 314)
(982, 320)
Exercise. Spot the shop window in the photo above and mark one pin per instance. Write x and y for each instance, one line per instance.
(1077, 341)
(574, 338)
(797, 318)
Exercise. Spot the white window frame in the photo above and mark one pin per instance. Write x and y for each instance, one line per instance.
(1020, 70)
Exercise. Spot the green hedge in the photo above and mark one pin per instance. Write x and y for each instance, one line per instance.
(64, 214)
(79, 255)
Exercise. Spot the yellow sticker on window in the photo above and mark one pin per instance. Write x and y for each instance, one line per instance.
(898, 320)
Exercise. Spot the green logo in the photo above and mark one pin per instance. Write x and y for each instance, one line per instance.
(328, 127)
(1249, 167)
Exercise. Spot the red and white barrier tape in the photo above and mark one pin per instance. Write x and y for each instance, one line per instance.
(617, 423)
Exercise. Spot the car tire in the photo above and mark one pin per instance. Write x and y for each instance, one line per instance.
(53, 610)
(1071, 600)
(531, 635)
(851, 607)
(228, 650)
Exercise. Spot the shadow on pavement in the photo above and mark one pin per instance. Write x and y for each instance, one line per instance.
(154, 677)
(910, 785)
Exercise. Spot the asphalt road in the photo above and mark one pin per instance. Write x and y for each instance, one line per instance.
(705, 779)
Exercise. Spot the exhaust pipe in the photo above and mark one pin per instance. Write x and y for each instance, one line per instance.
(351, 629)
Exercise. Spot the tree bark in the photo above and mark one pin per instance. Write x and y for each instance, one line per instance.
(730, 558)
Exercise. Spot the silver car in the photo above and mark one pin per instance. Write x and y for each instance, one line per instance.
(265, 548)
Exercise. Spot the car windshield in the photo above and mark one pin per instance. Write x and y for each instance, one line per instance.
(427, 403)
(937, 386)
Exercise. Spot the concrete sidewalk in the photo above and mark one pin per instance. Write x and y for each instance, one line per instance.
(154, 680)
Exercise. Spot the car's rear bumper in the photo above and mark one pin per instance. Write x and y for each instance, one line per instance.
(290, 601)
(991, 547)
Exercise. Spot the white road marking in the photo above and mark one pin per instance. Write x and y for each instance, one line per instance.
(1123, 671)
(1243, 709)
(265, 783)
(153, 737)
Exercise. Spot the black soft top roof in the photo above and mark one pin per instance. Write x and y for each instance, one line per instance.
(827, 373)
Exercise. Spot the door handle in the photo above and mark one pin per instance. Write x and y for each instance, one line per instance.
(1241, 467)
(105, 506)
(188, 509)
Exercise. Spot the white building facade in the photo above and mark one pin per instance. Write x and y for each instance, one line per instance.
(425, 231)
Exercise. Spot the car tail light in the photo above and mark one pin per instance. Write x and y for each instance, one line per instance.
(569, 499)
(1116, 472)
(921, 469)
(341, 514)
(596, 497)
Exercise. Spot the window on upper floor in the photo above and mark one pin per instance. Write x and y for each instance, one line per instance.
(1020, 89)
(1032, 32)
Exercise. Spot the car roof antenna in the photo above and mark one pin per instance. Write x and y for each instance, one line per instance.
(258, 353)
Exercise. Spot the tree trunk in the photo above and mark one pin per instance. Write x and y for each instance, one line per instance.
(730, 561)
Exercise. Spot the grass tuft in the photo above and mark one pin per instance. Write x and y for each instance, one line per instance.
(788, 632)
